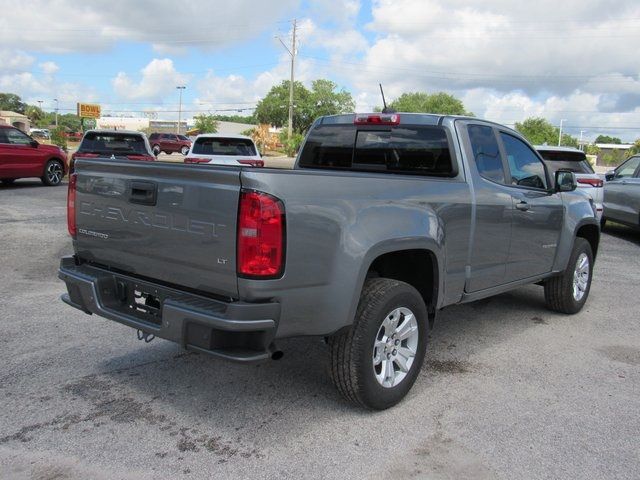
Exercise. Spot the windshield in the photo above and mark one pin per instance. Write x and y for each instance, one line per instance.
(113, 143)
(573, 161)
(224, 146)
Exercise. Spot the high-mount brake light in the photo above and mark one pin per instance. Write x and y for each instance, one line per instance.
(261, 235)
(71, 206)
(377, 119)
(594, 182)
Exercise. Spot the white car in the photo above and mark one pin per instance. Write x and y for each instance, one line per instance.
(568, 158)
(219, 149)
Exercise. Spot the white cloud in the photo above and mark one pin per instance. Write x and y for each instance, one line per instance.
(14, 60)
(49, 68)
(331, 10)
(158, 79)
(62, 26)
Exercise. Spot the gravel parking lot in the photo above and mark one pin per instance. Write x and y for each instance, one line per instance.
(509, 390)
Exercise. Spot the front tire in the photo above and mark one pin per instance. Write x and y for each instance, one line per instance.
(53, 173)
(376, 362)
(184, 150)
(568, 292)
(156, 150)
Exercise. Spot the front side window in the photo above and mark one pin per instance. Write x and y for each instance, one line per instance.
(527, 170)
(628, 168)
(486, 153)
(16, 137)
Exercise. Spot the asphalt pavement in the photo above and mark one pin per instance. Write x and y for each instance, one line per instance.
(509, 390)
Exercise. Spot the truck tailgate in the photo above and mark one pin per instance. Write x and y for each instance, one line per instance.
(160, 221)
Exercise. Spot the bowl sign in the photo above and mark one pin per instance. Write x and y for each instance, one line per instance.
(88, 110)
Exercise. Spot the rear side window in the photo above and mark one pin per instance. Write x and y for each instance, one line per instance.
(574, 161)
(224, 146)
(486, 153)
(421, 150)
(103, 143)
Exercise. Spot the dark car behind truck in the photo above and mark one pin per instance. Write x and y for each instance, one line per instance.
(384, 220)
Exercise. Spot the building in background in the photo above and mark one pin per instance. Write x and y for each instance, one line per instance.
(16, 119)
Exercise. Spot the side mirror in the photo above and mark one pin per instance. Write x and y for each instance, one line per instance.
(610, 175)
(566, 181)
(34, 144)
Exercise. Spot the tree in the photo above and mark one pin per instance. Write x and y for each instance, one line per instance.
(422, 102)
(12, 102)
(324, 98)
(34, 113)
(206, 123)
(539, 131)
(635, 149)
(607, 139)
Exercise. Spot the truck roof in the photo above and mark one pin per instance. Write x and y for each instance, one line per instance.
(414, 118)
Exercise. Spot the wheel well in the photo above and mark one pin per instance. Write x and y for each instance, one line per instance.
(592, 235)
(418, 268)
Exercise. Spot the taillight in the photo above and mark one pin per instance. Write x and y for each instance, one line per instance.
(71, 206)
(377, 119)
(261, 235)
(196, 160)
(252, 162)
(594, 182)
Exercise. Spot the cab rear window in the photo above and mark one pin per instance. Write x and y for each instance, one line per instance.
(224, 146)
(403, 149)
(108, 143)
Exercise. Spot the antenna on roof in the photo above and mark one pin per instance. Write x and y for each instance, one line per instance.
(384, 103)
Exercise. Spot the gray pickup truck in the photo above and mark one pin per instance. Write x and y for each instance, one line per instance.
(385, 219)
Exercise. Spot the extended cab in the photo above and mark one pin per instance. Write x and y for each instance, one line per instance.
(385, 219)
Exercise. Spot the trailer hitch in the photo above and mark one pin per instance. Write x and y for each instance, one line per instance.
(147, 337)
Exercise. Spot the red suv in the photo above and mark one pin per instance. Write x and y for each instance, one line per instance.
(169, 143)
(23, 157)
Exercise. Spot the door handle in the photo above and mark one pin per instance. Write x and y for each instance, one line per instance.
(523, 206)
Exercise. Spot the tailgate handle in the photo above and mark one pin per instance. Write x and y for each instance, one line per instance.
(143, 193)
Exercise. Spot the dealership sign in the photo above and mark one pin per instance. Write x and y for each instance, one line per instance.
(88, 110)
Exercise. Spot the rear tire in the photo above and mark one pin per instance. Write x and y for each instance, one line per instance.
(8, 181)
(184, 150)
(568, 292)
(376, 362)
(156, 150)
(53, 173)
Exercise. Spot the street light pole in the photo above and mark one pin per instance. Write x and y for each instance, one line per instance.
(180, 88)
(56, 100)
(560, 136)
(581, 145)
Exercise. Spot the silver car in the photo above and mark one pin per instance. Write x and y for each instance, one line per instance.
(568, 158)
(622, 194)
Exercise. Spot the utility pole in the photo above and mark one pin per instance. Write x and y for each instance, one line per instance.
(180, 88)
(56, 100)
(292, 53)
(560, 136)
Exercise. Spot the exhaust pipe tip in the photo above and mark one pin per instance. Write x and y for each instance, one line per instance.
(277, 355)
